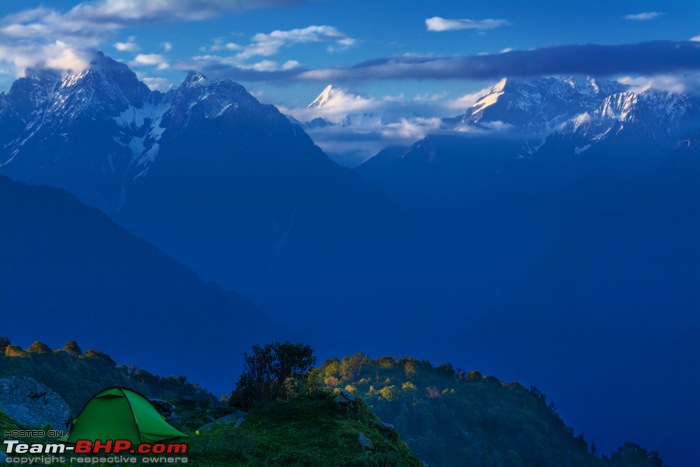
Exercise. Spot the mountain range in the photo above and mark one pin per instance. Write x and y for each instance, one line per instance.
(215, 179)
(532, 157)
(550, 225)
(595, 110)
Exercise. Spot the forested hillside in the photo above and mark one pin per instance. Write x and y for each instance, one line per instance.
(451, 417)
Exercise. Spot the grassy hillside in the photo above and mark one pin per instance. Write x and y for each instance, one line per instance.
(451, 417)
(76, 375)
(446, 417)
(314, 429)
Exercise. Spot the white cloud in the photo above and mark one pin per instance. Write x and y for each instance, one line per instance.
(347, 42)
(340, 104)
(497, 125)
(65, 58)
(30, 36)
(124, 13)
(126, 46)
(352, 145)
(58, 55)
(695, 38)
(645, 16)
(221, 67)
(271, 65)
(290, 65)
(157, 84)
(98, 18)
(156, 60)
(364, 125)
(439, 24)
(265, 65)
(411, 130)
(218, 44)
(342, 44)
(27, 15)
(26, 31)
(688, 82)
(269, 44)
(167, 46)
(242, 65)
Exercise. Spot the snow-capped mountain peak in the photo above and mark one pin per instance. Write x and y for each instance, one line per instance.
(322, 98)
(29, 93)
(581, 111)
(490, 98)
(541, 105)
(337, 107)
(201, 98)
(195, 79)
(105, 125)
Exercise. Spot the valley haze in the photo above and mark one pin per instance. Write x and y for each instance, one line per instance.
(510, 188)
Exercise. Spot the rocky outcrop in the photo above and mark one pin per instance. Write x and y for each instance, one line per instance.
(365, 442)
(32, 404)
(165, 408)
(344, 397)
(235, 419)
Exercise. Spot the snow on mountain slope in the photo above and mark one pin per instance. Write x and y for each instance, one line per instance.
(96, 131)
(544, 105)
(536, 105)
(583, 111)
(322, 98)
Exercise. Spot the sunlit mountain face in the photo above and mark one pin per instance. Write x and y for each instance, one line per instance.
(439, 187)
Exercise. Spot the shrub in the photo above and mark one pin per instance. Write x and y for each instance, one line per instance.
(73, 349)
(273, 372)
(39, 347)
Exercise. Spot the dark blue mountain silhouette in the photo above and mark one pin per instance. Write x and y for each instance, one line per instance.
(69, 272)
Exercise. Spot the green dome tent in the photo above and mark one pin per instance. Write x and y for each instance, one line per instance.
(120, 413)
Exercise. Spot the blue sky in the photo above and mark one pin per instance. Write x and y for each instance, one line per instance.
(286, 52)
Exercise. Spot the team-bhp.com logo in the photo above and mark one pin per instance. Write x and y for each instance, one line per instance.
(115, 426)
(84, 446)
